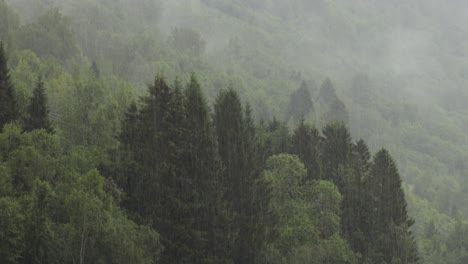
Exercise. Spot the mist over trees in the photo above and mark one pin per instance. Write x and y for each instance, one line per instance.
(242, 148)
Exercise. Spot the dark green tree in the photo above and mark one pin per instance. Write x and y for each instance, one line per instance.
(247, 192)
(123, 167)
(392, 239)
(152, 134)
(306, 143)
(163, 187)
(211, 238)
(51, 35)
(38, 233)
(12, 230)
(37, 111)
(356, 208)
(336, 153)
(8, 108)
(130, 124)
(273, 137)
(173, 173)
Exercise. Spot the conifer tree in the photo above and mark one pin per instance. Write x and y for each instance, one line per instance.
(335, 153)
(204, 167)
(153, 134)
(247, 193)
(356, 206)
(391, 236)
(172, 216)
(129, 133)
(273, 137)
(38, 112)
(8, 108)
(161, 187)
(258, 219)
(179, 187)
(306, 144)
(126, 170)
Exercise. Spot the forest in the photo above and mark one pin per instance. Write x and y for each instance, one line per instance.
(233, 131)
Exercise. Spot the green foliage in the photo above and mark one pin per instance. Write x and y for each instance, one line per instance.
(38, 112)
(9, 23)
(249, 44)
(336, 153)
(308, 216)
(186, 179)
(11, 230)
(205, 172)
(54, 213)
(50, 36)
(8, 108)
(357, 211)
(90, 116)
(273, 138)
(306, 143)
(248, 194)
(390, 222)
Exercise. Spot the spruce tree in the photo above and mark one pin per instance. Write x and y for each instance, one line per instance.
(204, 167)
(153, 149)
(336, 152)
(306, 144)
(257, 217)
(37, 111)
(173, 215)
(177, 212)
(356, 206)
(391, 235)
(8, 109)
(162, 189)
(273, 137)
(126, 170)
(129, 133)
(247, 193)
(179, 190)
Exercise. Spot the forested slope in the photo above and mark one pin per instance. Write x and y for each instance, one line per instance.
(395, 69)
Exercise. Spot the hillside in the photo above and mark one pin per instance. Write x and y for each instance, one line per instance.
(399, 67)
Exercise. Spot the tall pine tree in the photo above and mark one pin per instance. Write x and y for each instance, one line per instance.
(356, 206)
(165, 115)
(273, 138)
(211, 222)
(157, 183)
(247, 193)
(8, 108)
(306, 144)
(335, 153)
(174, 173)
(37, 111)
(391, 236)
(126, 170)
